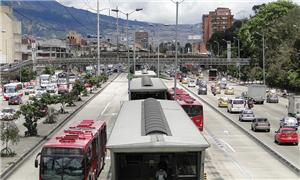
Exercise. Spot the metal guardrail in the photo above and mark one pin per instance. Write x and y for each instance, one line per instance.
(279, 156)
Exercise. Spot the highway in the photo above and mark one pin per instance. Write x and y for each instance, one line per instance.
(233, 155)
(274, 112)
(103, 107)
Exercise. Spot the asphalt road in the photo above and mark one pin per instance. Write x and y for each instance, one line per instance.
(233, 155)
(103, 107)
(274, 112)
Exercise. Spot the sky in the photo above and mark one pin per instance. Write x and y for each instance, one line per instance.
(164, 11)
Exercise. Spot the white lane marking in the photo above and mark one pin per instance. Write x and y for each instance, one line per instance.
(105, 108)
(228, 145)
(226, 132)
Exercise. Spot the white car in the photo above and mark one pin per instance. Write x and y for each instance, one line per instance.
(39, 92)
(192, 83)
(9, 113)
(51, 88)
(236, 105)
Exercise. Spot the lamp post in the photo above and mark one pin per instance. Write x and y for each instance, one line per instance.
(127, 15)
(176, 46)
(263, 51)
(239, 56)
(226, 55)
(218, 47)
(98, 37)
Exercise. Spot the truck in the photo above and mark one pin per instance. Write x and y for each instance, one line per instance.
(294, 107)
(257, 92)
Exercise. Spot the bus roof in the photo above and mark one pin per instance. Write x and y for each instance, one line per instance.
(144, 73)
(127, 134)
(77, 135)
(155, 84)
(188, 101)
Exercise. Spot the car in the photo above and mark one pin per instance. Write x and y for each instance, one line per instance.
(29, 90)
(286, 136)
(272, 98)
(290, 122)
(14, 100)
(247, 115)
(223, 102)
(51, 88)
(218, 90)
(202, 89)
(201, 76)
(192, 83)
(63, 88)
(8, 113)
(229, 91)
(184, 80)
(236, 105)
(261, 124)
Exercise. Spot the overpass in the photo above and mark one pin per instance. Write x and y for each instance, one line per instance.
(151, 60)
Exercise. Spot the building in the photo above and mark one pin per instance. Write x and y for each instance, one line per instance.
(46, 49)
(218, 20)
(141, 39)
(10, 41)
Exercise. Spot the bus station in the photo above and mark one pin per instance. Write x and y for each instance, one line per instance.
(150, 136)
(147, 87)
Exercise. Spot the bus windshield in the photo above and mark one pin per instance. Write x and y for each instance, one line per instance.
(62, 167)
(193, 110)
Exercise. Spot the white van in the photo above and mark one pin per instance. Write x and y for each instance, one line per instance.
(236, 105)
(192, 83)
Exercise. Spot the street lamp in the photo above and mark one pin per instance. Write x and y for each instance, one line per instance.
(98, 37)
(263, 44)
(239, 56)
(218, 47)
(226, 55)
(176, 46)
(127, 14)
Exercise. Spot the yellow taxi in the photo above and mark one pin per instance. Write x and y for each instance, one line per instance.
(218, 90)
(229, 91)
(223, 102)
(184, 80)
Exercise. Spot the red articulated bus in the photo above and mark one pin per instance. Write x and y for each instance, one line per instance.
(193, 108)
(76, 153)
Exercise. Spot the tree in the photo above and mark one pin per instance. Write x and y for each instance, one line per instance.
(26, 75)
(49, 70)
(32, 115)
(9, 133)
(78, 88)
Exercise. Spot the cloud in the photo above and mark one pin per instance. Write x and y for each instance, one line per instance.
(164, 11)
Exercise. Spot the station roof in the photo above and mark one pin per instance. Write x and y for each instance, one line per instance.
(144, 73)
(179, 135)
(136, 85)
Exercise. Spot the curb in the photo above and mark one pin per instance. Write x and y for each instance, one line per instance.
(5, 174)
(276, 154)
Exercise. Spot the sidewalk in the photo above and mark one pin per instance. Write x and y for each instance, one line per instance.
(26, 144)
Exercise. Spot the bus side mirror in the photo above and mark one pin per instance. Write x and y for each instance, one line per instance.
(36, 163)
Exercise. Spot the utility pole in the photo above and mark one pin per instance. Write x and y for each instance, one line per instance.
(33, 57)
(239, 57)
(176, 47)
(134, 49)
(98, 39)
(263, 53)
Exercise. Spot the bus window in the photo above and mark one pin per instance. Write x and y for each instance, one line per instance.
(187, 164)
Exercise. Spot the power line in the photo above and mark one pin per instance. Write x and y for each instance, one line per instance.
(76, 19)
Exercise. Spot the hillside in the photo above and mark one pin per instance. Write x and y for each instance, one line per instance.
(52, 19)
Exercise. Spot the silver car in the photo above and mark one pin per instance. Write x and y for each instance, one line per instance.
(290, 122)
(261, 124)
(247, 115)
